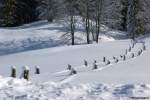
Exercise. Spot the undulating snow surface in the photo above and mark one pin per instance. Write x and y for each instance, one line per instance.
(40, 35)
(126, 80)
(14, 89)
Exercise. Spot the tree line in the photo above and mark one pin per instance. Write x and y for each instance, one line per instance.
(17, 12)
(124, 15)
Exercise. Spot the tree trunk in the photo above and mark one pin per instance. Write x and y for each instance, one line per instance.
(72, 28)
(98, 18)
(87, 23)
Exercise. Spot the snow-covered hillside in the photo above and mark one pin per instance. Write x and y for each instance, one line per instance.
(56, 59)
(42, 34)
(120, 80)
(117, 81)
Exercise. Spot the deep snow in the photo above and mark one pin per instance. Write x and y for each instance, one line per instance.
(122, 81)
(14, 89)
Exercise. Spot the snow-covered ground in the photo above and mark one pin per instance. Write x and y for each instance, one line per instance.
(40, 35)
(125, 80)
(14, 89)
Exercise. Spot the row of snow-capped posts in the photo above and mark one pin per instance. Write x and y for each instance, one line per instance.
(107, 62)
(26, 72)
(138, 53)
(116, 60)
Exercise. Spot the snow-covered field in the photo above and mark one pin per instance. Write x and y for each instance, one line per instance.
(40, 35)
(14, 89)
(125, 80)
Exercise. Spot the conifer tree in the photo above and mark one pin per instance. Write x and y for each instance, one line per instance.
(131, 17)
(17, 12)
(9, 16)
(26, 11)
(124, 14)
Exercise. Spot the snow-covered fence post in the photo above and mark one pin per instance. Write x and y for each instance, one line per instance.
(139, 52)
(73, 71)
(69, 67)
(13, 71)
(143, 46)
(126, 52)
(133, 42)
(37, 70)
(104, 59)
(132, 45)
(108, 62)
(121, 56)
(115, 59)
(132, 55)
(95, 65)
(129, 49)
(124, 57)
(85, 63)
(26, 73)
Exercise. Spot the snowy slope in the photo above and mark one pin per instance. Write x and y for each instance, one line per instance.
(131, 71)
(57, 59)
(124, 80)
(39, 35)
